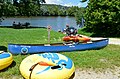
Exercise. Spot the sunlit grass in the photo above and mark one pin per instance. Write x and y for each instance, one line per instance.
(107, 57)
(32, 36)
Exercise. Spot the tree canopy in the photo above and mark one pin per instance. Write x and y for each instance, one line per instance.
(34, 8)
(103, 17)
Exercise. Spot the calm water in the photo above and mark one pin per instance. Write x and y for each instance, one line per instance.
(57, 23)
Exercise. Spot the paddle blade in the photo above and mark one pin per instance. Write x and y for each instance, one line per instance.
(42, 63)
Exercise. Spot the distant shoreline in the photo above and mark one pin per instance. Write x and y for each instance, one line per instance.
(26, 28)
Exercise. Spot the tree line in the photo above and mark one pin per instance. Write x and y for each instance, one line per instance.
(35, 8)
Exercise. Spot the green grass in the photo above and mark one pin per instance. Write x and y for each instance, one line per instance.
(107, 57)
(9, 35)
(82, 31)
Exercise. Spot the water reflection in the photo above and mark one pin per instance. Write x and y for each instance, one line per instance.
(57, 23)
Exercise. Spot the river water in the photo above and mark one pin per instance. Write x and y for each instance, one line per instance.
(57, 23)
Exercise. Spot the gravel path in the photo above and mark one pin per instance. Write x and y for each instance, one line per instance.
(114, 41)
(106, 74)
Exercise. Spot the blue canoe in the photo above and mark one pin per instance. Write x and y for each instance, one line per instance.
(36, 48)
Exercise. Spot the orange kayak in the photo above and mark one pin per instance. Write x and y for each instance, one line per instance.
(76, 39)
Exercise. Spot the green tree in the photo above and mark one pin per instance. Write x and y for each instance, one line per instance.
(103, 17)
(72, 10)
(79, 15)
(53, 10)
(9, 10)
(62, 12)
(30, 7)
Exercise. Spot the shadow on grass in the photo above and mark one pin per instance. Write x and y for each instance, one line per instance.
(30, 27)
(73, 75)
(3, 48)
(12, 65)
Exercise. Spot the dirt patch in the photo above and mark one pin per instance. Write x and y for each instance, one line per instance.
(91, 74)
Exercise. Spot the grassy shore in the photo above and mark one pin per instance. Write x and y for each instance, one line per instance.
(104, 58)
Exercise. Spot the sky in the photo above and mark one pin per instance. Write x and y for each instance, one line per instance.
(67, 2)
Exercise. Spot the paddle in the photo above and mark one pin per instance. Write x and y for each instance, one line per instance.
(41, 63)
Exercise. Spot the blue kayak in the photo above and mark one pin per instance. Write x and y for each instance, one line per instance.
(56, 47)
